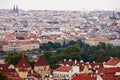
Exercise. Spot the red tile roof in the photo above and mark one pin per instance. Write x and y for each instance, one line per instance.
(23, 63)
(109, 70)
(12, 76)
(83, 77)
(98, 39)
(41, 62)
(34, 73)
(64, 68)
(112, 61)
(5, 68)
(109, 78)
(11, 39)
(81, 64)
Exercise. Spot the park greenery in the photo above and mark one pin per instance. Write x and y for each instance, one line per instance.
(75, 50)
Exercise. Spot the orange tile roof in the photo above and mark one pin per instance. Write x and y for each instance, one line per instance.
(64, 68)
(83, 77)
(98, 39)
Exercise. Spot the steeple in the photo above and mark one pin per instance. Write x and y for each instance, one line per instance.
(15, 9)
(113, 16)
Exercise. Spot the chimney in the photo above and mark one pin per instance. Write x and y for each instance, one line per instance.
(96, 71)
(70, 60)
(81, 61)
(111, 57)
(64, 60)
(104, 63)
(94, 62)
(87, 62)
(75, 61)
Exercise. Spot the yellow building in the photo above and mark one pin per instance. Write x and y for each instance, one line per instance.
(42, 66)
(22, 68)
(96, 40)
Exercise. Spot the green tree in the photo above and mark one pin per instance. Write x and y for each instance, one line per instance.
(53, 62)
(56, 45)
(73, 49)
(102, 55)
(47, 54)
(102, 45)
(71, 43)
(62, 56)
(14, 57)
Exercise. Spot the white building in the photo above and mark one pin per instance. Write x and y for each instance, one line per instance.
(65, 72)
(112, 63)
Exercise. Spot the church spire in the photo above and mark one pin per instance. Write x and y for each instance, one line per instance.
(14, 8)
(17, 9)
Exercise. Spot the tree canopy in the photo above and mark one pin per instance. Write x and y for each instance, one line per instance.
(14, 57)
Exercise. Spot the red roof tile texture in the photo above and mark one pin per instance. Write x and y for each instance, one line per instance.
(23, 63)
(34, 73)
(108, 78)
(109, 70)
(41, 61)
(98, 39)
(12, 76)
(112, 61)
(83, 77)
(4, 68)
(64, 68)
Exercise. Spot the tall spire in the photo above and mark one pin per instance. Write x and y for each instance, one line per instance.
(113, 14)
(14, 8)
(17, 9)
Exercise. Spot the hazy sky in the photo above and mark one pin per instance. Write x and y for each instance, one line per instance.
(61, 4)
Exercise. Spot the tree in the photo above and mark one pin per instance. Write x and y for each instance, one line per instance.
(47, 54)
(71, 43)
(80, 43)
(14, 57)
(56, 45)
(62, 56)
(102, 45)
(72, 49)
(102, 55)
(84, 57)
(53, 62)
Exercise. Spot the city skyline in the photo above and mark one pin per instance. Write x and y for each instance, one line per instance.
(71, 5)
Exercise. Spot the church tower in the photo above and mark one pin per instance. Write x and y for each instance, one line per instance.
(15, 9)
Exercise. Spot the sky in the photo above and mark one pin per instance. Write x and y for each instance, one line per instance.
(61, 4)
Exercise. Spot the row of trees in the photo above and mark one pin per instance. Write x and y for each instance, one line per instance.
(77, 50)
